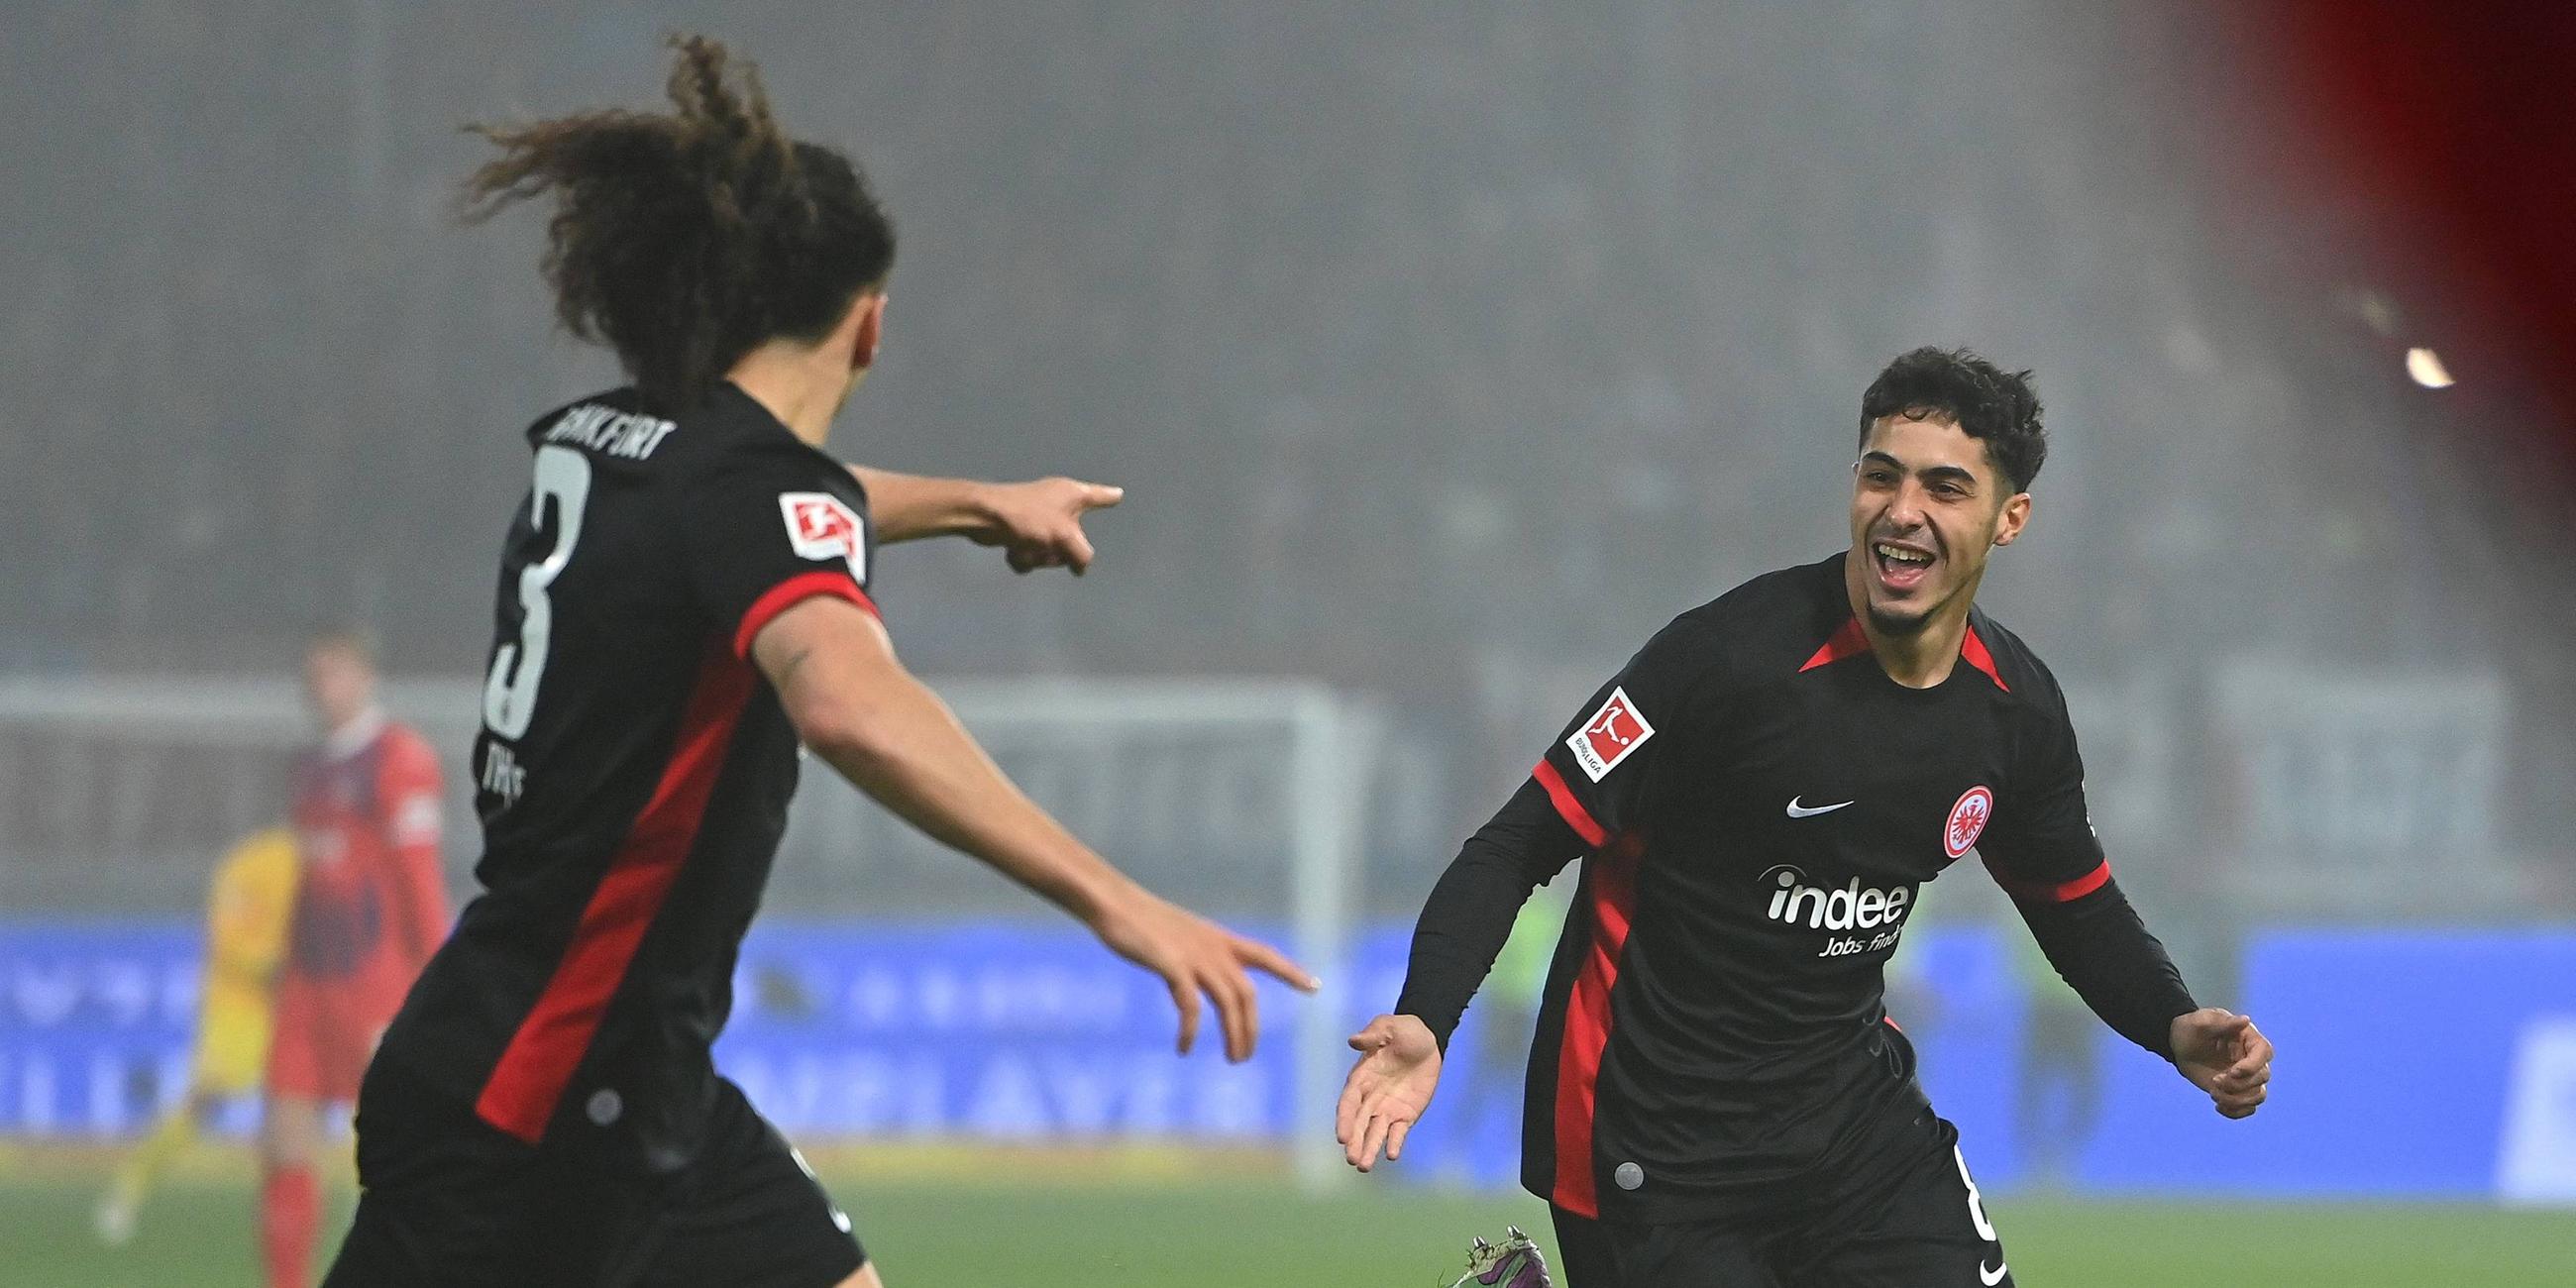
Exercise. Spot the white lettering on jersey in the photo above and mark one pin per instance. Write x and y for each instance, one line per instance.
(510, 693)
(611, 432)
(503, 775)
(821, 526)
(1849, 908)
(1610, 736)
(1988, 1275)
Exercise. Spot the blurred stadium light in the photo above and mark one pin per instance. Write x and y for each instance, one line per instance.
(2425, 367)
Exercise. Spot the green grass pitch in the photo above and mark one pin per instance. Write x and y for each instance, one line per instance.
(950, 1226)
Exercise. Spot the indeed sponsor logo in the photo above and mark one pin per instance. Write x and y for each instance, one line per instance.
(1848, 907)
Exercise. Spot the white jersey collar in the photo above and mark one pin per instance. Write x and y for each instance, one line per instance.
(355, 736)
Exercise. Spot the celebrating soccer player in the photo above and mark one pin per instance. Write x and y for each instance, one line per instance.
(1716, 1096)
(685, 595)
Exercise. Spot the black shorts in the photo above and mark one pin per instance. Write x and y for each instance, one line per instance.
(1908, 1217)
(447, 1199)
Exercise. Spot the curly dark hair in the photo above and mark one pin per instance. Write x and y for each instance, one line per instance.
(684, 241)
(1983, 400)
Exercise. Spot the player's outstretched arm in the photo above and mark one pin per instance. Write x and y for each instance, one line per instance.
(1038, 524)
(856, 706)
(1398, 1070)
(2225, 1055)
(1463, 926)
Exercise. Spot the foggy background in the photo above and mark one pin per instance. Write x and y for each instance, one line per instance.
(1445, 353)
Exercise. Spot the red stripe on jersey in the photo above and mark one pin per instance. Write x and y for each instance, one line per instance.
(1973, 652)
(521, 1093)
(1850, 641)
(2062, 892)
(1570, 809)
(1611, 894)
(791, 592)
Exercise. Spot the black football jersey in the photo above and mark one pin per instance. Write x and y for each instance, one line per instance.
(1762, 805)
(634, 767)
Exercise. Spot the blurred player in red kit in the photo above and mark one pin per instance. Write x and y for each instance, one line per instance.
(371, 908)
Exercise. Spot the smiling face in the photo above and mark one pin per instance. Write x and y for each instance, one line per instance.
(1927, 507)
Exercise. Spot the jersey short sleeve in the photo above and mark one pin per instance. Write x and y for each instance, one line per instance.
(1596, 772)
(767, 527)
(2040, 843)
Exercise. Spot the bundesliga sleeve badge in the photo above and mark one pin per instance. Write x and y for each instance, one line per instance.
(822, 526)
(1610, 736)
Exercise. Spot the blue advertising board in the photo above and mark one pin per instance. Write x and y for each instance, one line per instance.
(999, 1031)
(2414, 1063)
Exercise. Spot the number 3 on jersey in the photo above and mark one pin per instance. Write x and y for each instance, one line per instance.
(510, 695)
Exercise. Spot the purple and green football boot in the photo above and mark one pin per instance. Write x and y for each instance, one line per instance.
(1513, 1263)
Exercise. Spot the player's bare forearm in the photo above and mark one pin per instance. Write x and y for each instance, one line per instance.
(886, 732)
(857, 707)
(1037, 523)
(908, 507)
(919, 763)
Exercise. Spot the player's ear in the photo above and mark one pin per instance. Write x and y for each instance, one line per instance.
(2015, 516)
(867, 324)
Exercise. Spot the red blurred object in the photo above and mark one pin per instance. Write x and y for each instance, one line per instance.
(2455, 125)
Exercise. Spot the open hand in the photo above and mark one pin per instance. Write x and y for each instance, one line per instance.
(1039, 524)
(2225, 1055)
(1195, 956)
(1388, 1089)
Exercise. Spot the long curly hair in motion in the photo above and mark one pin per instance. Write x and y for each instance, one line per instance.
(683, 240)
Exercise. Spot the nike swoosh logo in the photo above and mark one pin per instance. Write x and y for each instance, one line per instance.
(1796, 812)
(1990, 1277)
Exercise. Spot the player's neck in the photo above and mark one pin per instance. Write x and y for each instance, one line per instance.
(1922, 658)
(791, 384)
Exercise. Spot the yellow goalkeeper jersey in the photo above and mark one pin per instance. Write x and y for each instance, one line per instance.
(247, 914)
